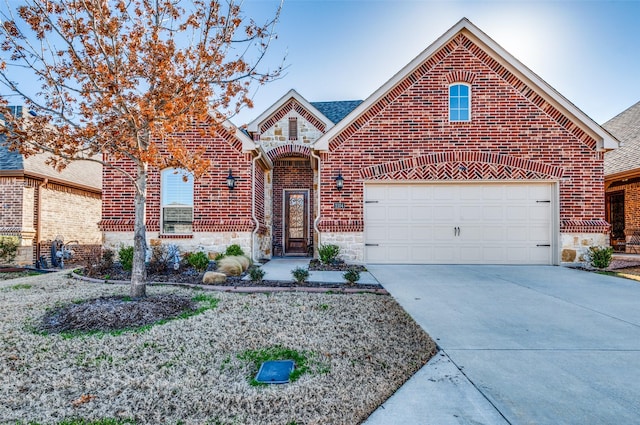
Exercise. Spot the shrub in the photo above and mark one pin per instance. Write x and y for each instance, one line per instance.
(199, 260)
(107, 259)
(600, 256)
(158, 263)
(256, 274)
(351, 276)
(234, 250)
(8, 248)
(244, 261)
(300, 274)
(230, 266)
(328, 253)
(125, 255)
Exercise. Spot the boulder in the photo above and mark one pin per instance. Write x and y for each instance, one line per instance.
(211, 278)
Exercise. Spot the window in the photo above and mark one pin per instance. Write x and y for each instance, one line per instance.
(177, 201)
(459, 102)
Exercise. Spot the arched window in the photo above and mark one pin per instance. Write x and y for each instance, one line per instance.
(177, 201)
(459, 102)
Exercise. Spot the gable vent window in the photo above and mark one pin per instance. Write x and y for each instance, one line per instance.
(293, 128)
(459, 102)
(177, 201)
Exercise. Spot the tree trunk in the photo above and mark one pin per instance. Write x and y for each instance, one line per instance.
(139, 271)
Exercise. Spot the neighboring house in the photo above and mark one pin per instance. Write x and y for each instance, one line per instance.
(464, 156)
(622, 181)
(39, 205)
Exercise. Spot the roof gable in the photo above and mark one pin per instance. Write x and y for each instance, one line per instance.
(625, 127)
(465, 34)
(292, 100)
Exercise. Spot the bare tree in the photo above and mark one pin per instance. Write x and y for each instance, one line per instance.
(120, 77)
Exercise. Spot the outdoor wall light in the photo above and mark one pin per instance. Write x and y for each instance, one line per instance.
(339, 181)
(231, 181)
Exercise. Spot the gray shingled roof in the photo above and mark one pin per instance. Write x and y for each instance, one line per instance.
(337, 110)
(9, 160)
(626, 128)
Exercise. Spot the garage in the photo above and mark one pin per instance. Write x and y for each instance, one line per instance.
(460, 223)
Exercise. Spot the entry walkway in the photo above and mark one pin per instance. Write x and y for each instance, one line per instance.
(519, 345)
(280, 269)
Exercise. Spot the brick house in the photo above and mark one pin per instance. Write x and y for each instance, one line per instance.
(622, 181)
(39, 205)
(464, 156)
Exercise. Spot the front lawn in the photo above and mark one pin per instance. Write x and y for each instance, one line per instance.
(195, 369)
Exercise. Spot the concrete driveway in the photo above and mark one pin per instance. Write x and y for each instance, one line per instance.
(538, 345)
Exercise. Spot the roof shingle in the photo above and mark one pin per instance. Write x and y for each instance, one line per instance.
(336, 110)
(626, 128)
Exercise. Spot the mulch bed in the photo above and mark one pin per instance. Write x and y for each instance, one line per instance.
(189, 276)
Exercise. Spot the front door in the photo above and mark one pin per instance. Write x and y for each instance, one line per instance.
(615, 217)
(296, 221)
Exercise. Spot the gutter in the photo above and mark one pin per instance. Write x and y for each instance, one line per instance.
(39, 217)
(317, 219)
(253, 205)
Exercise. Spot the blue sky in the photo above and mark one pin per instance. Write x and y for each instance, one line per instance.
(589, 51)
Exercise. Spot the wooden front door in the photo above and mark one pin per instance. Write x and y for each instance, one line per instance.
(615, 217)
(296, 221)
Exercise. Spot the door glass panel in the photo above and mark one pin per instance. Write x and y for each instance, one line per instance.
(296, 216)
(616, 202)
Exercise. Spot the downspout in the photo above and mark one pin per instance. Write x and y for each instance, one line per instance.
(253, 205)
(317, 219)
(39, 218)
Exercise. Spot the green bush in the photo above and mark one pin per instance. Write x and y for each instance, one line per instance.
(256, 274)
(125, 254)
(8, 248)
(234, 250)
(300, 274)
(199, 260)
(328, 253)
(600, 256)
(351, 276)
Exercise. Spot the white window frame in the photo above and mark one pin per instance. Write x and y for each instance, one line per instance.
(183, 227)
(459, 109)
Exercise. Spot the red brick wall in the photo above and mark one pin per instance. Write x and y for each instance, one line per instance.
(513, 134)
(216, 207)
(290, 173)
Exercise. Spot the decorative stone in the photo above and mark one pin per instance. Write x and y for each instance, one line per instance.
(210, 278)
(568, 255)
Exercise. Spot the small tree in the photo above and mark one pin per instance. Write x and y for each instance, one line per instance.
(119, 78)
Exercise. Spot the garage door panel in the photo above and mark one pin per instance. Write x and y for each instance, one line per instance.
(421, 234)
(442, 212)
(492, 223)
(399, 233)
(375, 213)
(397, 213)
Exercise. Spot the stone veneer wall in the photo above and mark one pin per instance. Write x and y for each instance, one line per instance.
(275, 132)
(351, 245)
(574, 246)
(215, 242)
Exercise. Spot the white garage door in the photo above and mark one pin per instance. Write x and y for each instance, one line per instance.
(489, 223)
